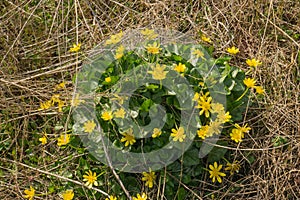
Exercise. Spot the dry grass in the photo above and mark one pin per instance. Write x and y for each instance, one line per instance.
(35, 37)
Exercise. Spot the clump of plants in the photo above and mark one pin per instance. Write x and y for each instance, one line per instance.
(153, 103)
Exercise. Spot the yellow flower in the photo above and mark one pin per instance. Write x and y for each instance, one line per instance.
(140, 197)
(180, 68)
(196, 96)
(128, 137)
(202, 132)
(233, 167)
(243, 129)
(119, 52)
(75, 48)
(205, 39)
(60, 105)
(29, 193)
(89, 126)
(204, 105)
(107, 79)
(43, 139)
(178, 134)
(60, 86)
(149, 178)
(153, 48)
(63, 139)
(215, 172)
(76, 101)
(198, 53)
(156, 133)
(214, 128)
(90, 178)
(118, 98)
(120, 113)
(253, 62)
(45, 105)
(68, 195)
(111, 197)
(149, 34)
(223, 117)
(114, 39)
(249, 82)
(107, 115)
(217, 107)
(236, 135)
(158, 72)
(233, 50)
(55, 99)
(259, 90)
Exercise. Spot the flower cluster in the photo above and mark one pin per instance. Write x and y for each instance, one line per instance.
(215, 170)
(55, 100)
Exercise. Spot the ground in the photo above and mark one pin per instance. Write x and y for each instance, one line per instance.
(34, 57)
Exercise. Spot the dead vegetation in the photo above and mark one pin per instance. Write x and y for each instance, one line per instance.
(35, 37)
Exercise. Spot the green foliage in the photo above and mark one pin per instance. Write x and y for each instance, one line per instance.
(156, 94)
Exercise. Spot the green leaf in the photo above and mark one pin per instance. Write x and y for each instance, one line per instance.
(217, 153)
(191, 157)
(181, 193)
(146, 105)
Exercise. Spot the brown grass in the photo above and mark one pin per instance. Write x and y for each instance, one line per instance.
(34, 43)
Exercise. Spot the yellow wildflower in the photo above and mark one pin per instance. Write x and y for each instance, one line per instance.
(233, 167)
(149, 34)
(107, 79)
(205, 39)
(198, 53)
(239, 132)
(118, 98)
(259, 90)
(233, 50)
(128, 137)
(111, 197)
(156, 133)
(202, 132)
(236, 135)
(43, 139)
(223, 117)
(215, 172)
(68, 195)
(90, 178)
(60, 86)
(107, 115)
(158, 72)
(63, 139)
(149, 178)
(249, 82)
(153, 48)
(140, 197)
(178, 134)
(253, 62)
(114, 39)
(29, 193)
(45, 105)
(119, 52)
(180, 68)
(75, 48)
(217, 107)
(204, 105)
(76, 101)
(196, 96)
(214, 128)
(243, 129)
(60, 105)
(120, 113)
(89, 126)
